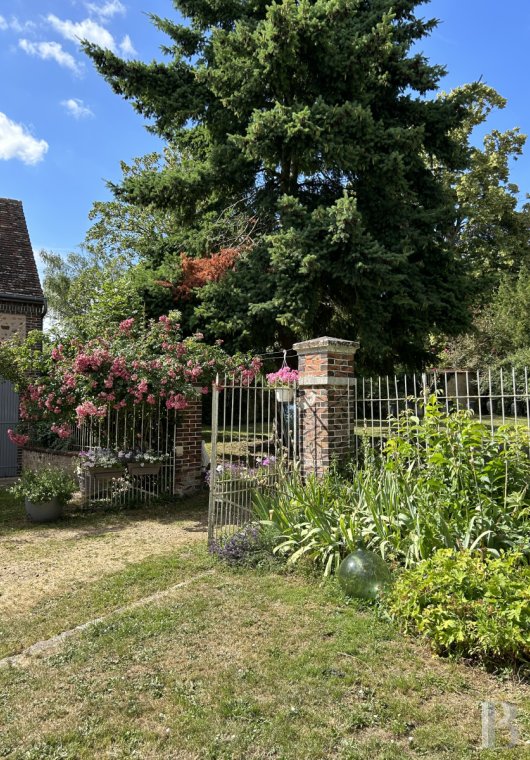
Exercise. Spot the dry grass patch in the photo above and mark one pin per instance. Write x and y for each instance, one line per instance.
(39, 562)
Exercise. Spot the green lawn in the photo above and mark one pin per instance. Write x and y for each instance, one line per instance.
(234, 665)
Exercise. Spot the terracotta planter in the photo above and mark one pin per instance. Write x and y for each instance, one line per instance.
(138, 469)
(44, 512)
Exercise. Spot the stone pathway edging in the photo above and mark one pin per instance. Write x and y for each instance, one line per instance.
(42, 647)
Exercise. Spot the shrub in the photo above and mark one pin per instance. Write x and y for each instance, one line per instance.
(467, 604)
(252, 546)
(151, 365)
(41, 486)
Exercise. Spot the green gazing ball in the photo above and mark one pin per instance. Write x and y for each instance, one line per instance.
(363, 574)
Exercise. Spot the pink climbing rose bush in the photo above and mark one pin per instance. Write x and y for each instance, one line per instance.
(151, 365)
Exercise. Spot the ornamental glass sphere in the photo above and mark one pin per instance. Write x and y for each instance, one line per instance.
(363, 574)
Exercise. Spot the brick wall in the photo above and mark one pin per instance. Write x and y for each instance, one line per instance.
(189, 441)
(326, 367)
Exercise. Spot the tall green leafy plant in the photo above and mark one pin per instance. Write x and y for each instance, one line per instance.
(441, 480)
(313, 519)
(469, 487)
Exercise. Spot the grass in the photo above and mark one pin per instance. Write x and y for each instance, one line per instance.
(236, 665)
(56, 576)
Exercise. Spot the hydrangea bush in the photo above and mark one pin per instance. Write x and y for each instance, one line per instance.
(151, 364)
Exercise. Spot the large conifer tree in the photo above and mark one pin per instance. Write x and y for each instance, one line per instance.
(311, 118)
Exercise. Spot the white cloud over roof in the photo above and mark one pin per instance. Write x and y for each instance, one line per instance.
(17, 142)
(50, 51)
(76, 108)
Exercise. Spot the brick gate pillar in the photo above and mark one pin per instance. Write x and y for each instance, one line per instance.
(326, 383)
(188, 459)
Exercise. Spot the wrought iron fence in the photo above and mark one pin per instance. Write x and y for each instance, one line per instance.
(145, 428)
(257, 437)
(254, 443)
(494, 397)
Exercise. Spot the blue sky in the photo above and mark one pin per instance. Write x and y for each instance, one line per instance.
(63, 132)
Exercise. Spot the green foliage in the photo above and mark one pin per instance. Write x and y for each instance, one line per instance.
(20, 358)
(314, 519)
(468, 605)
(490, 235)
(461, 486)
(41, 486)
(442, 481)
(501, 329)
(304, 128)
(89, 292)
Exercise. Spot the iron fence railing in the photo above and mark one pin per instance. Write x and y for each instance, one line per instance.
(256, 437)
(254, 442)
(145, 428)
(493, 397)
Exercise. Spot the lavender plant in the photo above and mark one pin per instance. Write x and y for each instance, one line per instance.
(251, 546)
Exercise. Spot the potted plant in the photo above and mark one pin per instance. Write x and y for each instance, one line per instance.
(140, 463)
(45, 493)
(283, 381)
(101, 464)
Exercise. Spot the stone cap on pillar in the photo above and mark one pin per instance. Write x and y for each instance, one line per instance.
(326, 361)
(326, 345)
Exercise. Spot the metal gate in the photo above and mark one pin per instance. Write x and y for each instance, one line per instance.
(8, 419)
(255, 443)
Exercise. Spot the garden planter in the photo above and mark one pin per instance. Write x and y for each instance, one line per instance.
(44, 512)
(138, 469)
(284, 395)
(104, 474)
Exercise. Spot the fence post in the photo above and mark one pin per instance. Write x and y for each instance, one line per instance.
(188, 459)
(326, 382)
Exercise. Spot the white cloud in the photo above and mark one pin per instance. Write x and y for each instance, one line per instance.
(17, 142)
(20, 26)
(50, 51)
(126, 47)
(3, 24)
(107, 10)
(76, 108)
(83, 30)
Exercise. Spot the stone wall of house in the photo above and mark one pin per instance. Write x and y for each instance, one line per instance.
(19, 317)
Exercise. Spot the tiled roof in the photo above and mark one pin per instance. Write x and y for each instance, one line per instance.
(18, 271)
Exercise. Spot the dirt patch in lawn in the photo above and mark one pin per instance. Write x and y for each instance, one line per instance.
(44, 562)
